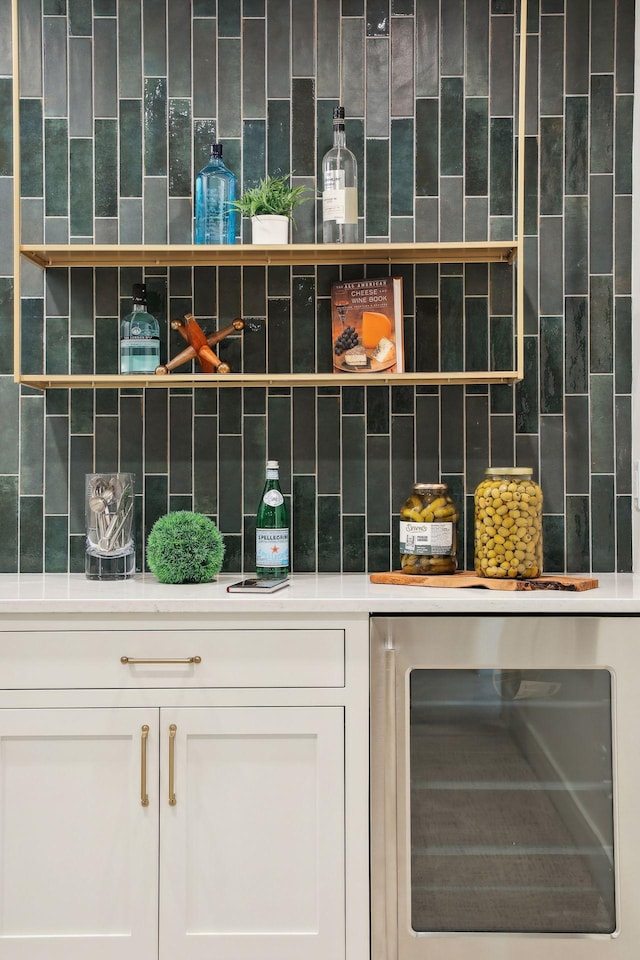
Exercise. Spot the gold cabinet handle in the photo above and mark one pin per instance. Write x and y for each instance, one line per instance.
(159, 660)
(172, 764)
(144, 796)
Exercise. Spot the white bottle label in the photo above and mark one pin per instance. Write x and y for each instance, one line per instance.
(426, 538)
(339, 203)
(272, 548)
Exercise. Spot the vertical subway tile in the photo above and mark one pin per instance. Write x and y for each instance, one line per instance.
(204, 68)
(130, 50)
(130, 148)
(253, 70)
(624, 535)
(9, 513)
(302, 127)
(328, 426)
(106, 168)
(55, 66)
(576, 145)
(402, 167)
(452, 33)
(552, 463)
(353, 465)
(601, 102)
(501, 67)
(180, 59)
(551, 365)
(353, 544)
(180, 159)
(602, 32)
(623, 440)
(501, 168)
(402, 67)
(577, 444)
(576, 245)
(553, 543)
(304, 525)
(452, 127)
(476, 69)
(576, 359)
(327, 50)
(602, 523)
(353, 67)
(551, 173)
(527, 390)
(623, 345)
(31, 535)
(31, 143)
(329, 539)
(476, 136)
(80, 83)
(551, 291)
(155, 126)
(302, 37)
(624, 46)
(56, 146)
(428, 48)
(55, 544)
(377, 187)
(578, 534)
(577, 52)
(551, 67)
(377, 87)
(601, 325)
(154, 34)
(451, 333)
(427, 147)
(278, 49)
(378, 493)
(105, 68)
(81, 175)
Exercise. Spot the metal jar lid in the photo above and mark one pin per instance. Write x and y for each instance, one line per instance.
(509, 471)
(429, 487)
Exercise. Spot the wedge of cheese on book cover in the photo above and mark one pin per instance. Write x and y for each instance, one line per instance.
(375, 326)
(384, 350)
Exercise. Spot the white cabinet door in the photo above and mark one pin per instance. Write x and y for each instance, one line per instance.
(78, 849)
(252, 852)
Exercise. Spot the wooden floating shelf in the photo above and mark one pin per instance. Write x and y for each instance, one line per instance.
(124, 381)
(246, 254)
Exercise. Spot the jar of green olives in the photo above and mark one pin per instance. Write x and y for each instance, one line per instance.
(428, 531)
(508, 524)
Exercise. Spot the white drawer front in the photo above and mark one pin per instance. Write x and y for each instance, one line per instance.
(227, 658)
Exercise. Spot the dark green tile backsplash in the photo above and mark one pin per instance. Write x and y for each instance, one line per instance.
(118, 105)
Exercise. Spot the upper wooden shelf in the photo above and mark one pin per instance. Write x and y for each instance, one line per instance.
(247, 254)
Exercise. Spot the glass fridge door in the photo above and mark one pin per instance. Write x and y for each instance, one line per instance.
(511, 801)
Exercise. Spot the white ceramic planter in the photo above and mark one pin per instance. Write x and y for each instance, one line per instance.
(270, 228)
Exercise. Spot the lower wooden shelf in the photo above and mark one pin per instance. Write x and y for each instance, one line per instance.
(124, 381)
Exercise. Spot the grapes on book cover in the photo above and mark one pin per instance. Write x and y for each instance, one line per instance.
(366, 321)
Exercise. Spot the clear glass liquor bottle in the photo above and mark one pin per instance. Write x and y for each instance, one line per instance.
(139, 336)
(272, 528)
(339, 188)
(215, 188)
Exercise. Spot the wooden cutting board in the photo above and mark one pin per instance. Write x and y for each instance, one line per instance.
(465, 578)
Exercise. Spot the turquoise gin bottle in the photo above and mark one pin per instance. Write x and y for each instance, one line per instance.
(215, 188)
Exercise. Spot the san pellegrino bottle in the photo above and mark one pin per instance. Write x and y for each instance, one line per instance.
(139, 336)
(272, 528)
(339, 188)
(215, 187)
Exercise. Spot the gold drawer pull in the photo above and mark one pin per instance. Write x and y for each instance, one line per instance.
(172, 764)
(144, 796)
(160, 660)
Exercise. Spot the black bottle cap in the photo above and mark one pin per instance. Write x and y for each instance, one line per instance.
(139, 293)
(338, 113)
(216, 150)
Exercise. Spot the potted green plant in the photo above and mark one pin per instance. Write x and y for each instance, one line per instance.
(270, 206)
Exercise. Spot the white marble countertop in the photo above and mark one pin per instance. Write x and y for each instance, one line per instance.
(60, 593)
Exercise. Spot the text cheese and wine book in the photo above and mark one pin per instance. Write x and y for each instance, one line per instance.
(366, 320)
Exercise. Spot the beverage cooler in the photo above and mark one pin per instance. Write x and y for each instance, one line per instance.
(505, 788)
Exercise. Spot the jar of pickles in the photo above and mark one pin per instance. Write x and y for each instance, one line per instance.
(508, 524)
(428, 530)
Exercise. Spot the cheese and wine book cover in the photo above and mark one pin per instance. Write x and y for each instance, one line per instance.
(366, 322)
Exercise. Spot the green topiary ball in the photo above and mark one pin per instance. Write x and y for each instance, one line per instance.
(185, 547)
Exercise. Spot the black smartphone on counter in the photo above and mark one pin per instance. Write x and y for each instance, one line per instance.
(257, 585)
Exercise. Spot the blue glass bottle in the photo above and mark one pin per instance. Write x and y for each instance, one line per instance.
(215, 187)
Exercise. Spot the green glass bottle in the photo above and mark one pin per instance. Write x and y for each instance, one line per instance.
(272, 528)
